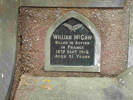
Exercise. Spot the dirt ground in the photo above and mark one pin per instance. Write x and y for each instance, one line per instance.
(112, 25)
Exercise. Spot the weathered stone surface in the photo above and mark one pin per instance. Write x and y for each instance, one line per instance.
(67, 88)
(8, 29)
(73, 3)
(126, 82)
(76, 88)
(114, 93)
(131, 21)
(130, 54)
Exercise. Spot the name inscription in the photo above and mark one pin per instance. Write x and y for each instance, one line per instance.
(72, 43)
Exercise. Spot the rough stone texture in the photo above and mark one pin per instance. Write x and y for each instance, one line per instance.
(130, 54)
(73, 3)
(112, 25)
(8, 27)
(71, 88)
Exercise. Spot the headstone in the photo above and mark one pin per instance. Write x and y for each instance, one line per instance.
(72, 44)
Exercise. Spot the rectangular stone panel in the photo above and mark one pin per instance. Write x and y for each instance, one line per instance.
(74, 3)
(64, 88)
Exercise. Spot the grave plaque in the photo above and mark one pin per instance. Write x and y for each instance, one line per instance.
(72, 44)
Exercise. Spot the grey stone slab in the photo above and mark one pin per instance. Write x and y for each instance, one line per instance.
(131, 21)
(74, 3)
(76, 88)
(8, 30)
(68, 88)
(130, 54)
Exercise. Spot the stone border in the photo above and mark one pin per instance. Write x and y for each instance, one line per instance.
(89, 24)
(8, 33)
(74, 3)
(130, 54)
